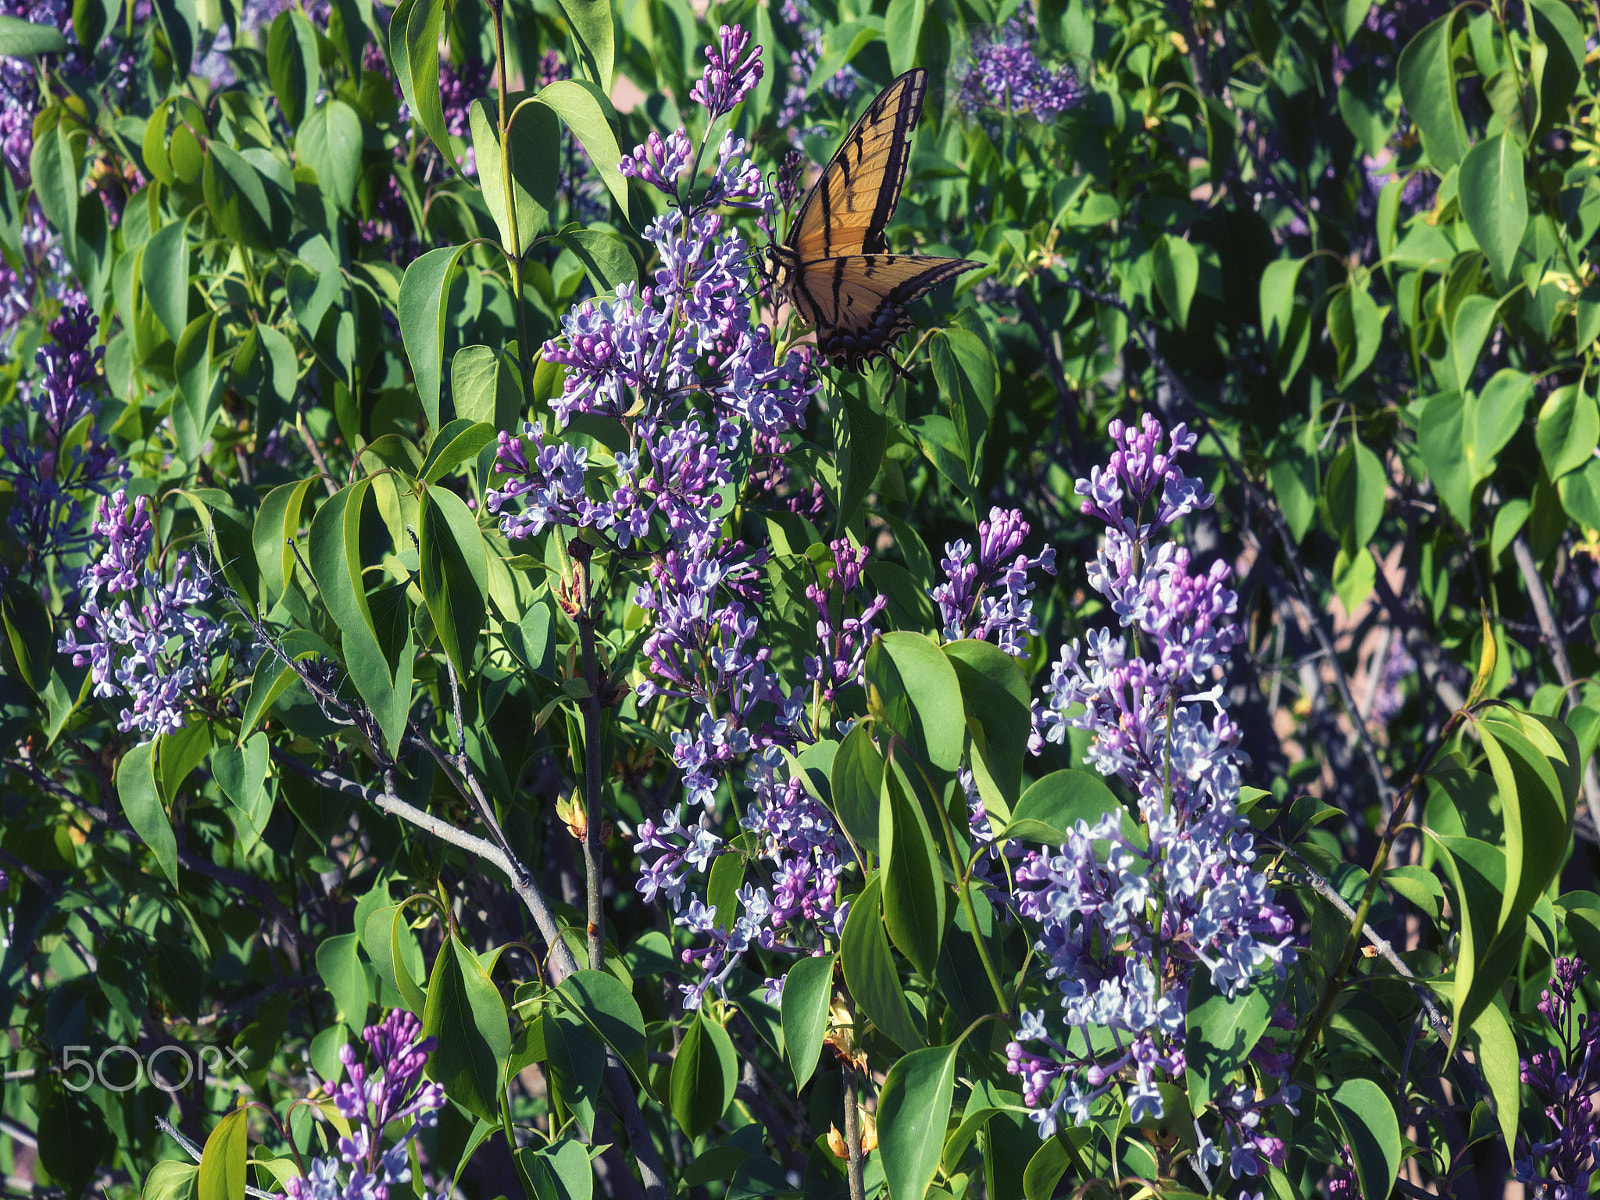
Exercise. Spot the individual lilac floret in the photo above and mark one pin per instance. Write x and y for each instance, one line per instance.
(659, 162)
(1564, 1079)
(1125, 919)
(392, 1090)
(733, 67)
(989, 597)
(152, 648)
(1006, 76)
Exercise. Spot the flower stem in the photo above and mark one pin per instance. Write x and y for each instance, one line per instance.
(852, 1134)
(593, 847)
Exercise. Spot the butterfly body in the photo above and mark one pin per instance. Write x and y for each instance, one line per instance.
(834, 266)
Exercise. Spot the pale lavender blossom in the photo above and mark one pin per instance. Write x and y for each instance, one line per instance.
(1006, 76)
(988, 597)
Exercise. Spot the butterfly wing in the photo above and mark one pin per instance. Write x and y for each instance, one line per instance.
(857, 301)
(849, 205)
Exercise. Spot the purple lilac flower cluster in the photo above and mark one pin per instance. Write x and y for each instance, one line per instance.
(1565, 1079)
(153, 650)
(19, 84)
(989, 596)
(843, 639)
(1006, 76)
(51, 466)
(794, 113)
(1125, 922)
(370, 1101)
(641, 358)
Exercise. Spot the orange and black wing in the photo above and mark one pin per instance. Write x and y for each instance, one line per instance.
(846, 210)
(857, 301)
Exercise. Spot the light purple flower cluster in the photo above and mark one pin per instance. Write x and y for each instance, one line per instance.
(153, 650)
(989, 597)
(733, 67)
(54, 463)
(1565, 1080)
(1006, 76)
(1124, 920)
(843, 639)
(644, 356)
(799, 844)
(370, 1101)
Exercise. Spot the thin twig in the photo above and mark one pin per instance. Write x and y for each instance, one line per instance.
(1550, 633)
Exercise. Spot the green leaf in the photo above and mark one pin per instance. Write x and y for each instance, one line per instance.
(141, 804)
(339, 964)
(577, 1062)
(329, 142)
(236, 198)
(869, 970)
(465, 1012)
(454, 574)
(421, 52)
(292, 65)
(1474, 320)
(807, 994)
(1501, 1064)
(456, 443)
(605, 1004)
(1055, 804)
(335, 556)
(1442, 441)
(1580, 496)
(604, 256)
(1493, 199)
(856, 782)
(1355, 323)
(165, 277)
(222, 1164)
(594, 34)
(1355, 491)
(1285, 320)
(1176, 269)
(913, 1110)
(587, 111)
(1371, 1131)
(995, 694)
(424, 297)
(920, 696)
(902, 29)
(1222, 1032)
(704, 1072)
(56, 164)
(560, 1172)
(534, 150)
(29, 632)
(192, 412)
(484, 389)
(840, 45)
(1562, 39)
(178, 22)
(1568, 430)
(241, 771)
(1492, 418)
(23, 39)
(277, 524)
(1427, 76)
(722, 887)
(913, 886)
(863, 434)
